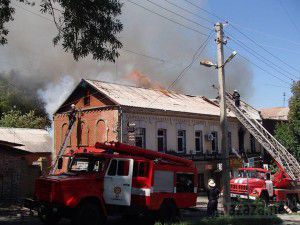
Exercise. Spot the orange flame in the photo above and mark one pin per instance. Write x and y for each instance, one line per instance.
(142, 80)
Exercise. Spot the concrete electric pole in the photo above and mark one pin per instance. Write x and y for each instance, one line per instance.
(223, 113)
(223, 119)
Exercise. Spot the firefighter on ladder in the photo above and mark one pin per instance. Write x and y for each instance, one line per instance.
(72, 116)
(236, 97)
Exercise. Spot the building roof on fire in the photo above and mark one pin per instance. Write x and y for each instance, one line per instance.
(275, 113)
(31, 140)
(156, 99)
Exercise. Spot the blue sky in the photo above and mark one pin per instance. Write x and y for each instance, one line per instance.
(274, 24)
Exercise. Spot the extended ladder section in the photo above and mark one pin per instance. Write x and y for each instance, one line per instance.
(122, 148)
(63, 146)
(279, 153)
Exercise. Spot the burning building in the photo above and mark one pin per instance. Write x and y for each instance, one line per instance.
(151, 118)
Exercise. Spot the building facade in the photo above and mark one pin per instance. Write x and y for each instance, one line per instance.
(163, 121)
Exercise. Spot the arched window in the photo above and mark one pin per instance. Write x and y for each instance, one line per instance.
(101, 131)
(83, 134)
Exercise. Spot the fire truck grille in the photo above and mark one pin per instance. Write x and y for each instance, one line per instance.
(238, 187)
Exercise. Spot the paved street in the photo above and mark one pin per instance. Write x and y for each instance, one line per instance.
(19, 216)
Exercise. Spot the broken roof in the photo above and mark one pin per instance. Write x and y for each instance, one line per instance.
(31, 140)
(156, 99)
(275, 113)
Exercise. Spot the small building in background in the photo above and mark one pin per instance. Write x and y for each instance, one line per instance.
(273, 116)
(25, 154)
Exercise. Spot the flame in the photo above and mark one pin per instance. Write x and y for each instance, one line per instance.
(142, 80)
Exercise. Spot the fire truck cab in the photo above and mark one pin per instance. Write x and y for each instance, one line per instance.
(258, 183)
(114, 178)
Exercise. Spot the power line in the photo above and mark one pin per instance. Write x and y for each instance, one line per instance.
(252, 40)
(29, 11)
(125, 50)
(288, 15)
(263, 33)
(177, 14)
(144, 55)
(204, 10)
(270, 53)
(192, 13)
(196, 55)
(278, 86)
(246, 59)
(256, 54)
(171, 20)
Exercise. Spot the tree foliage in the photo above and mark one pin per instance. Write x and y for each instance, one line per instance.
(15, 118)
(84, 26)
(289, 133)
(16, 99)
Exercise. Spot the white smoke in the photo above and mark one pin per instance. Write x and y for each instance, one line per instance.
(30, 52)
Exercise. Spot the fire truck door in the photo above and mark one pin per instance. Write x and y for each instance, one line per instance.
(118, 182)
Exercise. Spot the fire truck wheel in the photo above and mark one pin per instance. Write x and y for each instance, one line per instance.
(88, 213)
(47, 217)
(168, 212)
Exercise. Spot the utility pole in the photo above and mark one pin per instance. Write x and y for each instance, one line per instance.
(223, 118)
(283, 99)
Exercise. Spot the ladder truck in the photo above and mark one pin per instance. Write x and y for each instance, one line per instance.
(72, 119)
(113, 178)
(256, 183)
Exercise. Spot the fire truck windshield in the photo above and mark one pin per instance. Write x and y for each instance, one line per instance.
(251, 174)
(84, 164)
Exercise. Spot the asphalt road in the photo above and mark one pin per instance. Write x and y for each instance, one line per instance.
(15, 215)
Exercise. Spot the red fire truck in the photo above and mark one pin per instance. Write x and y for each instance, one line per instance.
(258, 183)
(115, 178)
(253, 183)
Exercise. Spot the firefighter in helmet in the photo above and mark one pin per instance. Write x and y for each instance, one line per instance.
(213, 196)
(236, 97)
(72, 115)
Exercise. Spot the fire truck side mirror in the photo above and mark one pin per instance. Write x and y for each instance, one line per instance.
(60, 163)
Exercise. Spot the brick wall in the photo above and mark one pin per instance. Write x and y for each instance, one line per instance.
(16, 176)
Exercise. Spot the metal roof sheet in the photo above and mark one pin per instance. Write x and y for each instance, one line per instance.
(275, 113)
(33, 140)
(156, 99)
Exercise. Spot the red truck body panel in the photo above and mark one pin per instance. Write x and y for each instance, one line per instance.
(69, 189)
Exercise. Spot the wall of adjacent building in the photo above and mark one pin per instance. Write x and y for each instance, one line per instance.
(16, 176)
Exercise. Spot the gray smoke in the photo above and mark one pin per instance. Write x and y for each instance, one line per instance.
(54, 73)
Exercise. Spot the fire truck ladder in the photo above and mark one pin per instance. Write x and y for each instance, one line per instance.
(64, 145)
(279, 153)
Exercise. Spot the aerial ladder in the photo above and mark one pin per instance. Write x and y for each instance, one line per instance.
(285, 160)
(72, 120)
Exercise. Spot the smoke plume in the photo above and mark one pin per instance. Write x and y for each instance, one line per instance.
(152, 46)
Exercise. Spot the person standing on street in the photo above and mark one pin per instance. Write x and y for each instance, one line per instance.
(213, 196)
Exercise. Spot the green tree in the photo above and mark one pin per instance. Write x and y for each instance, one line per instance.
(17, 97)
(289, 133)
(15, 118)
(84, 26)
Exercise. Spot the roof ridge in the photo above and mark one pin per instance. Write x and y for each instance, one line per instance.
(145, 88)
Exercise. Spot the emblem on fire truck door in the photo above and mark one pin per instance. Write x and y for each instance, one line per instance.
(117, 191)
